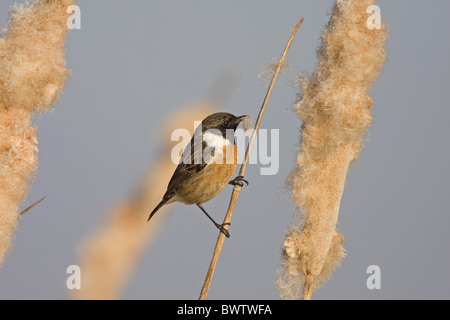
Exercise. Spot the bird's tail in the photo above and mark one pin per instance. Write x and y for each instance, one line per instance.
(163, 202)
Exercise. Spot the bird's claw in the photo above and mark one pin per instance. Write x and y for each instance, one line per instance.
(222, 229)
(239, 181)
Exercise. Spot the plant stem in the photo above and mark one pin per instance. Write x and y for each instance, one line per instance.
(237, 188)
(307, 291)
(32, 206)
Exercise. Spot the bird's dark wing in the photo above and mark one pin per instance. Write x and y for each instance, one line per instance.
(192, 162)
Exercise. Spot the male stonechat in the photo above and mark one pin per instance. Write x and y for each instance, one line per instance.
(207, 165)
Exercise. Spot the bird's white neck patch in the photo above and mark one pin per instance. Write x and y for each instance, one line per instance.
(215, 139)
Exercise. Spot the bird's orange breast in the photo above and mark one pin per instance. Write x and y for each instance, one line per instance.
(230, 154)
(209, 182)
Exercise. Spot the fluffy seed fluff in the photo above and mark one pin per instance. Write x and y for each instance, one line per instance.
(268, 72)
(335, 111)
(32, 74)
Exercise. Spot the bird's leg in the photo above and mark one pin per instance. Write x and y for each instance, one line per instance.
(221, 227)
(238, 181)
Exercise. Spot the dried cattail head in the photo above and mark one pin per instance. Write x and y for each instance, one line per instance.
(32, 74)
(335, 111)
(33, 68)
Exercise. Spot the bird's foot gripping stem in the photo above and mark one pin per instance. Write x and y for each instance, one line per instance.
(222, 229)
(238, 181)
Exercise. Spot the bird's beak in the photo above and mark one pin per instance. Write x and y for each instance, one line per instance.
(241, 118)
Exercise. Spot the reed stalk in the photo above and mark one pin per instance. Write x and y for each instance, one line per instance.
(237, 188)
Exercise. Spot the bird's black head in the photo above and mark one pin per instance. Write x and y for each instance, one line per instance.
(221, 121)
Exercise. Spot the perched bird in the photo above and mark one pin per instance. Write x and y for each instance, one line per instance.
(207, 165)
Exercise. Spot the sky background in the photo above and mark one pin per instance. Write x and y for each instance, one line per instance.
(135, 63)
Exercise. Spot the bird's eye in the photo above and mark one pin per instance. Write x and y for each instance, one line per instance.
(226, 123)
